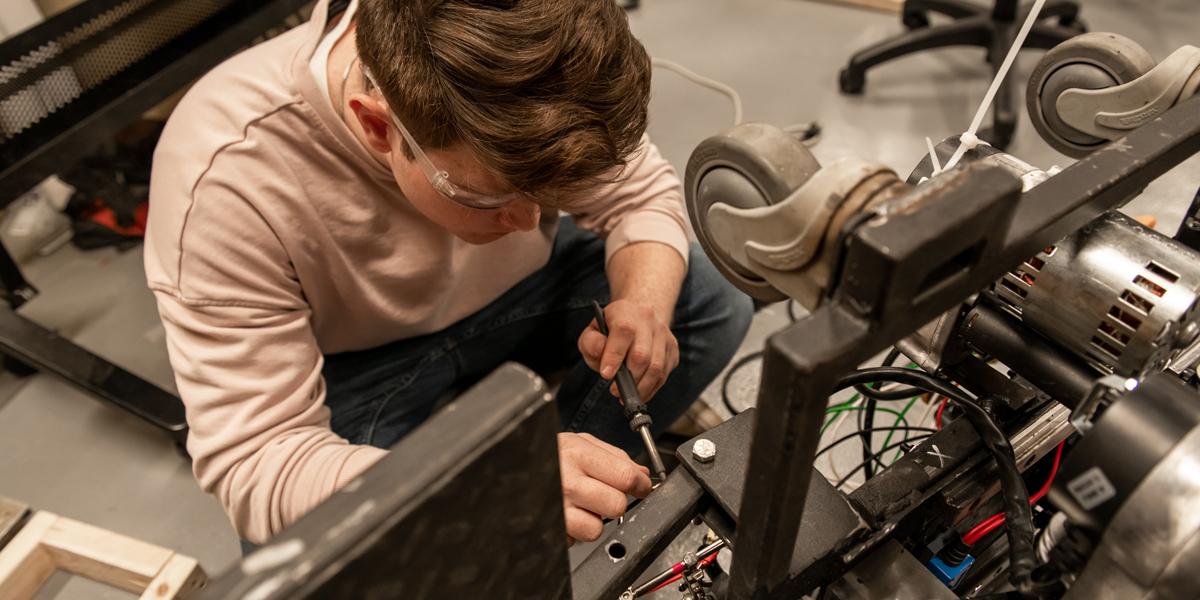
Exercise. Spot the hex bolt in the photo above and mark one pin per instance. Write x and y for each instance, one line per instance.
(704, 450)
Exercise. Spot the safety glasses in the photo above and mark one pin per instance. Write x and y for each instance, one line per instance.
(438, 178)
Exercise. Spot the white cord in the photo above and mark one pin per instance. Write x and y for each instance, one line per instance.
(968, 140)
(711, 84)
(837, 426)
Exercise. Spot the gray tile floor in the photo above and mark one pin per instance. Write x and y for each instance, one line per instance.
(61, 450)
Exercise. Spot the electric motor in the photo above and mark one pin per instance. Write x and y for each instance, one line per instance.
(1115, 292)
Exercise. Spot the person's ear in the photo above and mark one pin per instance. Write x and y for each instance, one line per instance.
(372, 116)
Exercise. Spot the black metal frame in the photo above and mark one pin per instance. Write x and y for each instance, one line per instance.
(467, 506)
(896, 278)
(71, 132)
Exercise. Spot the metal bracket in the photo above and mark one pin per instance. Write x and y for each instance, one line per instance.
(1105, 391)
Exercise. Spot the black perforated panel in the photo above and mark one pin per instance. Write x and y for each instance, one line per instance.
(39, 81)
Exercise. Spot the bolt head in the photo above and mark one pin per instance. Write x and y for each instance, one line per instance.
(704, 450)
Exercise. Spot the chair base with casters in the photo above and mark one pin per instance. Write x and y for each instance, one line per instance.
(993, 29)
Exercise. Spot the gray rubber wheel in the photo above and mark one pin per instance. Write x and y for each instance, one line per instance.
(748, 166)
(1089, 61)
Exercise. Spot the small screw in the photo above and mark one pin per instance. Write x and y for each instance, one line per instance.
(704, 450)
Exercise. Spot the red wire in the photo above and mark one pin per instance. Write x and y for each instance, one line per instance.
(704, 562)
(990, 524)
(940, 410)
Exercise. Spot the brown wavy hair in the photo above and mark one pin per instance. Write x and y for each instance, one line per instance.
(551, 95)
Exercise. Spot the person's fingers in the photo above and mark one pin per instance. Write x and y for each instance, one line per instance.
(624, 474)
(595, 497)
(612, 450)
(656, 370)
(605, 447)
(641, 351)
(582, 525)
(620, 336)
(1150, 221)
(591, 346)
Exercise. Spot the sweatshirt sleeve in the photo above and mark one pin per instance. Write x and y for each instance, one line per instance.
(645, 204)
(247, 365)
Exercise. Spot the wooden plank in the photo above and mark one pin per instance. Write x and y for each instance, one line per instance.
(891, 6)
(104, 556)
(24, 564)
(49, 542)
(12, 517)
(178, 579)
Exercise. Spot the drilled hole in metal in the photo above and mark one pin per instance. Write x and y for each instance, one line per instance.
(616, 551)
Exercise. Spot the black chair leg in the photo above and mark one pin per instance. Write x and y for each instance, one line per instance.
(1004, 117)
(973, 31)
(1045, 36)
(955, 9)
(1066, 11)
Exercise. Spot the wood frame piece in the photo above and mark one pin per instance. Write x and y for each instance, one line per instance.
(49, 542)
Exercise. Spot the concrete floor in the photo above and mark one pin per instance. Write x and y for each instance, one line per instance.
(63, 451)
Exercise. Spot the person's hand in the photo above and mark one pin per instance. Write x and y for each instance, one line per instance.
(595, 479)
(637, 335)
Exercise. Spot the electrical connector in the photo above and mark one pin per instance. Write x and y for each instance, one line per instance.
(947, 573)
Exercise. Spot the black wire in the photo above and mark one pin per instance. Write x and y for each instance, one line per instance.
(1018, 515)
(889, 448)
(866, 418)
(867, 428)
(791, 312)
(901, 394)
(741, 362)
(851, 436)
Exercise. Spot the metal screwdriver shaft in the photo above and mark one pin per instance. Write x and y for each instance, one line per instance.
(635, 409)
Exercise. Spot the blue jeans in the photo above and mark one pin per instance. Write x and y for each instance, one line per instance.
(378, 396)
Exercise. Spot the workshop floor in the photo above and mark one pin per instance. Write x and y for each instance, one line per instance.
(63, 451)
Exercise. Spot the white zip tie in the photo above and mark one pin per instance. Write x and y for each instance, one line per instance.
(968, 140)
(937, 164)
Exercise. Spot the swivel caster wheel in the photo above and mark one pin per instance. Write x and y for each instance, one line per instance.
(1089, 61)
(752, 165)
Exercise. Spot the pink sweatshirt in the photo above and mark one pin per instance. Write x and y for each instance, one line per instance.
(274, 238)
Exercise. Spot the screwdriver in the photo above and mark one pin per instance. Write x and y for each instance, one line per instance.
(635, 409)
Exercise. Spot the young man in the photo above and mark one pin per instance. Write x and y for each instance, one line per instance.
(360, 217)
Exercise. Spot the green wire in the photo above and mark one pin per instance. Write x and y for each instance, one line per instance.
(835, 410)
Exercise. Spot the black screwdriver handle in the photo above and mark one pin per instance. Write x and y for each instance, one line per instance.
(626, 386)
